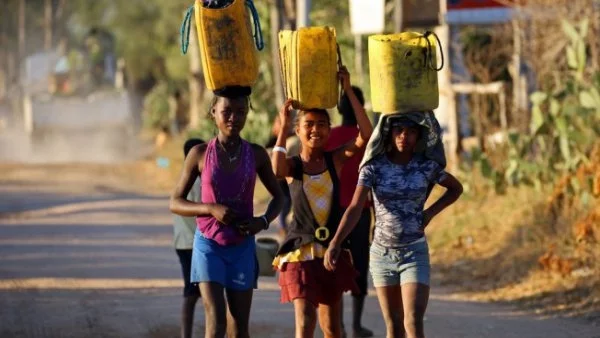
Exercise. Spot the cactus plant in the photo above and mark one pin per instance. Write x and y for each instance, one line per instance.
(564, 124)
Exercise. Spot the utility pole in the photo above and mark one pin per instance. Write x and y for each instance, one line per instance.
(446, 111)
(303, 13)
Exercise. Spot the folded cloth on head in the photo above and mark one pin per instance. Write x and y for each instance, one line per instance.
(430, 143)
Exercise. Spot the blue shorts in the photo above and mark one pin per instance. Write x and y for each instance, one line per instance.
(408, 264)
(235, 267)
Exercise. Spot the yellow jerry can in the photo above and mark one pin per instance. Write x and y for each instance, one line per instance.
(403, 72)
(228, 52)
(309, 65)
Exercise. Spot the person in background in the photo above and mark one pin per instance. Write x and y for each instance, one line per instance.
(183, 238)
(287, 203)
(359, 237)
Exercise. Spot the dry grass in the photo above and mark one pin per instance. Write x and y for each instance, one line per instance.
(523, 246)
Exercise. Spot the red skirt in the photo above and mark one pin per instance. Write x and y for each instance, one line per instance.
(311, 281)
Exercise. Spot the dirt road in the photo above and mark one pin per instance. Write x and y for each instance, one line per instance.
(99, 263)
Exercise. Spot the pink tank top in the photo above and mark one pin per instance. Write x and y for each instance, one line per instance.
(234, 189)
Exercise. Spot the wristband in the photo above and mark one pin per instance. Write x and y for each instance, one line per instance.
(264, 218)
(280, 150)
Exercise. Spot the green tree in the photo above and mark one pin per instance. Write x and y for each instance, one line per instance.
(147, 37)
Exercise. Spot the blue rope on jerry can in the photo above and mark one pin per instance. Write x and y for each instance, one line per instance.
(258, 37)
(184, 31)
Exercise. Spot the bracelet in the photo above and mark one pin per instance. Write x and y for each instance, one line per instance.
(264, 218)
(280, 150)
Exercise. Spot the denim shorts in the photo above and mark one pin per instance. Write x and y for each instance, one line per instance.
(408, 264)
(233, 266)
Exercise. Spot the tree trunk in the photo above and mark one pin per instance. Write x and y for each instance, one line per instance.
(478, 121)
(60, 24)
(195, 81)
(519, 95)
(290, 14)
(48, 25)
(3, 50)
(21, 47)
(276, 6)
(11, 71)
(446, 111)
(398, 24)
(2, 76)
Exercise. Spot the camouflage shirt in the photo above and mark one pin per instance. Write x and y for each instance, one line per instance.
(399, 193)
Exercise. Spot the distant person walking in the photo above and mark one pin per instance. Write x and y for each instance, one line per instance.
(359, 237)
(184, 229)
(292, 144)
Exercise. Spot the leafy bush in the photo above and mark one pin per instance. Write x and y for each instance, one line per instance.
(205, 131)
(156, 107)
(564, 125)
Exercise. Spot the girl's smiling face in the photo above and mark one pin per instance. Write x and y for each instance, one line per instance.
(313, 129)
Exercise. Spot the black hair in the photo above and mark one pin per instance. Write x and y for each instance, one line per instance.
(189, 144)
(215, 100)
(318, 111)
(345, 107)
(233, 91)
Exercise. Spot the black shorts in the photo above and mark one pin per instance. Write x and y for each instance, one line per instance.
(359, 248)
(185, 259)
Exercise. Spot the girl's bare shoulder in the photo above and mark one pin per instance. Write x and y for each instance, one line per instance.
(197, 154)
